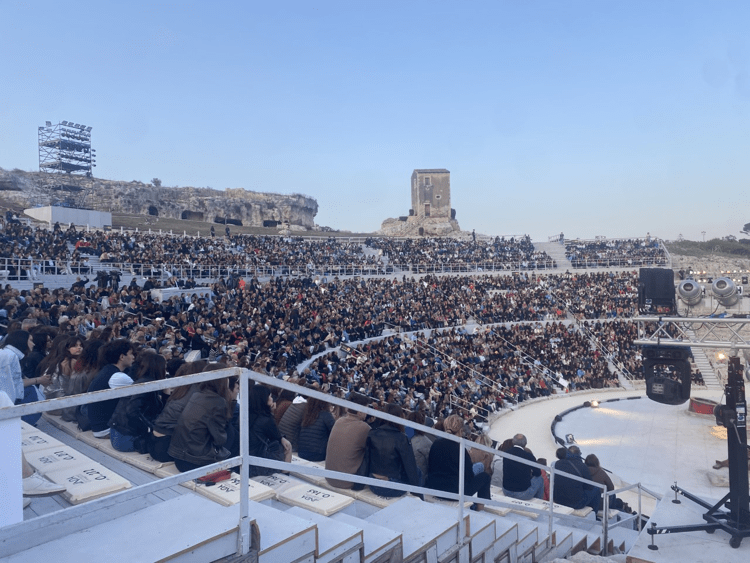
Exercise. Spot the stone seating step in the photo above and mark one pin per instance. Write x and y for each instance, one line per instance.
(482, 534)
(227, 492)
(528, 534)
(561, 546)
(279, 482)
(313, 498)
(624, 538)
(506, 537)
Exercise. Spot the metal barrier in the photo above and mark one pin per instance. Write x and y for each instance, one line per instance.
(245, 459)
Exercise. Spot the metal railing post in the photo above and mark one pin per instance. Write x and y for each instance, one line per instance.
(605, 519)
(461, 491)
(551, 502)
(244, 523)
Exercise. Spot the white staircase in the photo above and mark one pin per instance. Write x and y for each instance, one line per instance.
(557, 252)
(701, 362)
(190, 528)
(187, 528)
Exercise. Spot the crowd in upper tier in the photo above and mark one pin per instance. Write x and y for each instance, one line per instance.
(619, 252)
(493, 254)
(70, 250)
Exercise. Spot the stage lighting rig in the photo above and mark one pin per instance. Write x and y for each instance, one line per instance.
(666, 342)
(724, 290)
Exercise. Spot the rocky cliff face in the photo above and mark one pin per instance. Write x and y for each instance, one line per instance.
(204, 204)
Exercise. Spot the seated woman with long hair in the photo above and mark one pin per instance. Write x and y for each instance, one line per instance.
(59, 365)
(204, 433)
(165, 423)
(443, 464)
(264, 438)
(315, 430)
(134, 416)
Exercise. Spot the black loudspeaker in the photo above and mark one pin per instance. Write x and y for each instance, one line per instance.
(666, 353)
(656, 293)
(667, 381)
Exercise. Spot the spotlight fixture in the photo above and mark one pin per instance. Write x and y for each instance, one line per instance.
(725, 291)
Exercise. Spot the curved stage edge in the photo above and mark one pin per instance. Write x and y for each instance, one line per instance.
(637, 439)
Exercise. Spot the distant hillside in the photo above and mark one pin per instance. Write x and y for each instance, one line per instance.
(252, 209)
(712, 256)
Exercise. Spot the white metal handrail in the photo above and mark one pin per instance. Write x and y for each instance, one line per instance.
(245, 459)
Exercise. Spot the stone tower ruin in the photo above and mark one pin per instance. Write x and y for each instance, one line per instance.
(431, 213)
(431, 193)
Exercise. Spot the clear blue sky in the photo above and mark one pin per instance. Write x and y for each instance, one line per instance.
(590, 117)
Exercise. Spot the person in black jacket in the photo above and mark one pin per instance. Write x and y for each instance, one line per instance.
(134, 416)
(264, 438)
(165, 423)
(114, 357)
(391, 455)
(204, 432)
(569, 492)
(315, 430)
(444, 463)
(521, 481)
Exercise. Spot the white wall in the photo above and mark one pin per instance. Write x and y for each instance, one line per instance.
(66, 215)
(11, 491)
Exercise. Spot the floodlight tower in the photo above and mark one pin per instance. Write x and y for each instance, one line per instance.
(65, 148)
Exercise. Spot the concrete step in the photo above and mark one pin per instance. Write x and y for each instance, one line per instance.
(209, 535)
(430, 540)
(337, 541)
(380, 543)
(625, 537)
(283, 537)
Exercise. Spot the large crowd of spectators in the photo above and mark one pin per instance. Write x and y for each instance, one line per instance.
(474, 373)
(31, 250)
(437, 254)
(614, 253)
(448, 349)
(70, 250)
(275, 327)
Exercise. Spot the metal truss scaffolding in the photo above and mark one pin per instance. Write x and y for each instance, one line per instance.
(708, 332)
(65, 148)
